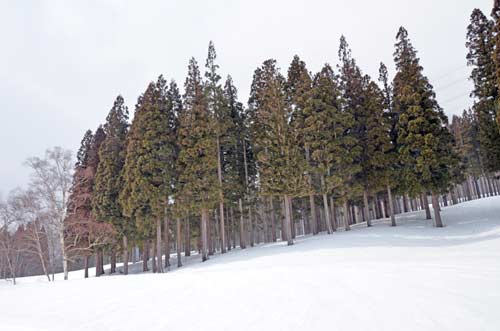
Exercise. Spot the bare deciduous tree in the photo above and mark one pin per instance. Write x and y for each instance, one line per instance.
(9, 246)
(51, 181)
(34, 239)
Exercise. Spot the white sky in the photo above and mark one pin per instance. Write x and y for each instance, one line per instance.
(62, 63)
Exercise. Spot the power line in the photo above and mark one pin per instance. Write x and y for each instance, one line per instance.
(451, 71)
(457, 97)
(453, 83)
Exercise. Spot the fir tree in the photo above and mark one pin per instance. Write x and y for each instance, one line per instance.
(366, 102)
(481, 45)
(425, 144)
(377, 160)
(198, 189)
(174, 102)
(84, 233)
(148, 170)
(495, 14)
(351, 84)
(238, 168)
(82, 156)
(224, 129)
(326, 136)
(109, 180)
(280, 162)
(298, 87)
(389, 162)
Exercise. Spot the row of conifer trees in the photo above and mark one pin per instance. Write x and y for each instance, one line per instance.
(309, 153)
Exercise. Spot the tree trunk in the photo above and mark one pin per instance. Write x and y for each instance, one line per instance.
(135, 252)
(376, 204)
(159, 262)
(12, 269)
(478, 189)
(302, 218)
(347, 212)
(490, 187)
(437, 215)
(98, 272)
(102, 263)
(292, 220)
(327, 214)
(288, 221)
(265, 220)
(405, 203)
(221, 199)
(282, 219)
(366, 208)
(209, 235)
(153, 256)
(145, 248)
(273, 219)
(445, 200)
(352, 215)
(467, 190)
(333, 215)
(113, 262)
(385, 207)
(63, 251)
(41, 254)
(166, 236)
(187, 239)
(233, 230)
(391, 205)
(312, 204)
(125, 255)
(454, 196)
(426, 206)
(178, 245)
(204, 234)
(242, 226)
(252, 230)
(86, 268)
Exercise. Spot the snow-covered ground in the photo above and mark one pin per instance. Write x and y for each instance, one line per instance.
(412, 277)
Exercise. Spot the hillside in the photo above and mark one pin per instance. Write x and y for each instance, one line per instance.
(412, 277)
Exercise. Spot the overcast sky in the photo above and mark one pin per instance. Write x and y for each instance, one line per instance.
(62, 63)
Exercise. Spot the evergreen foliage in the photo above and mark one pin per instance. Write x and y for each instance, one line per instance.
(148, 170)
(109, 180)
(425, 144)
(481, 46)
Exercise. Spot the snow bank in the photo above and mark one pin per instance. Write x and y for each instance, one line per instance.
(412, 277)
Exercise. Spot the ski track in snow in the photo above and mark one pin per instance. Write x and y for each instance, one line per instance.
(411, 277)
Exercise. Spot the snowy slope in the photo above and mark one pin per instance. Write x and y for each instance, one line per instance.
(412, 277)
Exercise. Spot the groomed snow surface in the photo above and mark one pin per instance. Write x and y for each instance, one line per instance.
(411, 277)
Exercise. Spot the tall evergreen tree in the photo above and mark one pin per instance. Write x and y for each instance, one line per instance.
(426, 145)
(238, 168)
(280, 163)
(79, 216)
(148, 170)
(223, 125)
(109, 179)
(298, 87)
(365, 101)
(389, 162)
(85, 233)
(326, 136)
(377, 160)
(481, 45)
(198, 184)
(495, 14)
(352, 84)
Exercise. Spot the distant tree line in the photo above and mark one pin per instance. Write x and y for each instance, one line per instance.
(310, 153)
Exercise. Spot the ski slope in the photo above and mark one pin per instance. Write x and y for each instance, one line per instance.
(412, 277)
